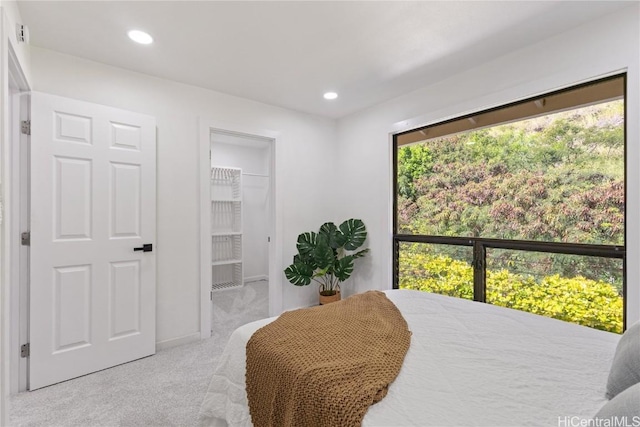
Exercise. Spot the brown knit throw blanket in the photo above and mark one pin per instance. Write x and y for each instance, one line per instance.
(325, 365)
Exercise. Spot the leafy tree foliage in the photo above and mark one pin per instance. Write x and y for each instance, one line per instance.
(412, 164)
(557, 178)
(577, 299)
(560, 182)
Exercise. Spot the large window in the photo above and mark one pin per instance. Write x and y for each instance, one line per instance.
(521, 206)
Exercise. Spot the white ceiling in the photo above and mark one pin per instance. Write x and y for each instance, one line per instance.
(289, 53)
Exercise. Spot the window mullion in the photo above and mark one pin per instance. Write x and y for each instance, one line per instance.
(479, 272)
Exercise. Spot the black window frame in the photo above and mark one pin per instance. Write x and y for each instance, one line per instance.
(480, 244)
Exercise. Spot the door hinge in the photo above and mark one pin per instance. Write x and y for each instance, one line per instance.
(211, 295)
(269, 239)
(25, 238)
(25, 350)
(25, 127)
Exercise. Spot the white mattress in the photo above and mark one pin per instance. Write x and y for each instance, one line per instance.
(469, 364)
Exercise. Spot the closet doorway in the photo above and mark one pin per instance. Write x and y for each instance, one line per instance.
(239, 232)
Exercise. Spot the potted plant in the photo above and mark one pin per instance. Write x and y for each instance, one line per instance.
(327, 257)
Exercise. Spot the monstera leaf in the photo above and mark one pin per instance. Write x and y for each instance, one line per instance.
(323, 254)
(343, 268)
(307, 243)
(330, 230)
(305, 259)
(299, 274)
(360, 254)
(353, 234)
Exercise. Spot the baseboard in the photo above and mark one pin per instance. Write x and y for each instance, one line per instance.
(174, 342)
(256, 278)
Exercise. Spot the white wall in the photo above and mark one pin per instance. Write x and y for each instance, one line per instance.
(306, 145)
(255, 202)
(606, 45)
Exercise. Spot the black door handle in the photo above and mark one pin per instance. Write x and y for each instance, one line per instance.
(147, 247)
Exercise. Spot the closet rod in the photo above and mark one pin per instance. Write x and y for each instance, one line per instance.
(255, 174)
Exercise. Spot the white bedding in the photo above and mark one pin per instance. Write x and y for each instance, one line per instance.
(469, 364)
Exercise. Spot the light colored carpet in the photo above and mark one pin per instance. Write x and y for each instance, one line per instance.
(162, 390)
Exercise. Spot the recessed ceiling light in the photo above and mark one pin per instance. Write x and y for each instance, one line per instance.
(330, 95)
(140, 37)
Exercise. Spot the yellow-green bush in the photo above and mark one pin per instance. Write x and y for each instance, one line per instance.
(578, 300)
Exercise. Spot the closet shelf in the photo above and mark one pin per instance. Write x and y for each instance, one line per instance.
(227, 262)
(226, 200)
(225, 285)
(226, 227)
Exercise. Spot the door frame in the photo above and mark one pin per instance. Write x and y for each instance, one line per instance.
(206, 127)
(18, 110)
(14, 81)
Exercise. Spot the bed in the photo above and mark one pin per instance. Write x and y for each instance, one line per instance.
(469, 364)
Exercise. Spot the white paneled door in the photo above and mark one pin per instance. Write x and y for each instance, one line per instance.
(92, 285)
